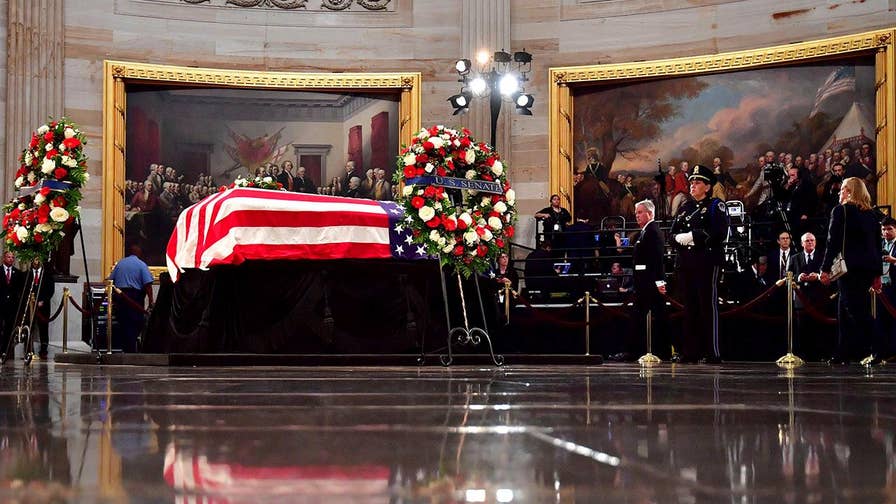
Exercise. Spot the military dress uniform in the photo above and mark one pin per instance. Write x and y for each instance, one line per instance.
(699, 232)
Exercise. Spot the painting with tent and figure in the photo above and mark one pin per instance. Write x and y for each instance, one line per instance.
(632, 140)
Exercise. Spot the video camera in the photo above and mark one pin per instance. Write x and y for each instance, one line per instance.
(775, 174)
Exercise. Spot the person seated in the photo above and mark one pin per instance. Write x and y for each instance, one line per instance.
(504, 274)
(625, 279)
(354, 188)
(554, 221)
(539, 270)
(581, 245)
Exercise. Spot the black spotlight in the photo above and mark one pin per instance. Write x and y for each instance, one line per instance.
(522, 57)
(463, 66)
(523, 103)
(501, 56)
(460, 102)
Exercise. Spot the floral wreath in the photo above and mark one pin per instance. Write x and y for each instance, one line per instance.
(265, 182)
(456, 197)
(52, 170)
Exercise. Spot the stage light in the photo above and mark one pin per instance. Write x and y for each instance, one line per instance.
(478, 86)
(509, 85)
(460, 102)
(482, 57)
(501, 57)
(524, 100)
(463, 66)
(522, 57)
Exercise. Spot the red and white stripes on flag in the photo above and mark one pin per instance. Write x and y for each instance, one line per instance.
(246, 223)
(841, 80)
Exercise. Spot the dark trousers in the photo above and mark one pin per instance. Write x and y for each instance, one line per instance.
(130, 319)
(855, 336)
(42, 325)
(885, 324)
(699, 280)
(636, 344)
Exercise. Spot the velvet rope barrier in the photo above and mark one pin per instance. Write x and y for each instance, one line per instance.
(542, 315)
(78, 307)
(812, 311)
(133, 304)
(886, 304)
(761, 297)
(43, 318)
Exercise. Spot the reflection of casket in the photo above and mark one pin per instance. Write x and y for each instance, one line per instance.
(194, 476)
(276, 272)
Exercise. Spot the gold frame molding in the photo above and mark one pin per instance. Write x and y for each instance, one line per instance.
(879, 42)
(117, 75)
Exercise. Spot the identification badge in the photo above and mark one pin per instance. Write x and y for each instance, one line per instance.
(640, 267)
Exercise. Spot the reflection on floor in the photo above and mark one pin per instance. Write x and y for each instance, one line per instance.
(613, 433)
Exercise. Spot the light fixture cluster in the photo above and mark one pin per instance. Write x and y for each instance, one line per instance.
(500, 75)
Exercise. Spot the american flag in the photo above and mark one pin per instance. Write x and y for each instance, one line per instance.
(245, 223)
(841, 80)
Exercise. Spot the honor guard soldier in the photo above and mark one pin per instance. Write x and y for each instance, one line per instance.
(700, 230)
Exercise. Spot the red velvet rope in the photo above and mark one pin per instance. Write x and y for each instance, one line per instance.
(814, 312)
(886, 304)
(133, 304)
(78, 307)
(544, 315)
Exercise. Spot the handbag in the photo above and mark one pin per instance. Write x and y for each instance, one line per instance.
(838, 267)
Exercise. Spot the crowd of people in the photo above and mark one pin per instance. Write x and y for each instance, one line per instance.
(15, 286)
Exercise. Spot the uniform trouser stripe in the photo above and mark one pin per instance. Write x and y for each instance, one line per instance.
(715, 311)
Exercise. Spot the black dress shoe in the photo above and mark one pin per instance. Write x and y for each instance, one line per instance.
(42, 355)
(621, 357)
(711, 360)
(836, 361)
(675, 359)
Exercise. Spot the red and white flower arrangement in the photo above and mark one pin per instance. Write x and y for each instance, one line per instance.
(52, 170)
(260, 182)
(466, 228)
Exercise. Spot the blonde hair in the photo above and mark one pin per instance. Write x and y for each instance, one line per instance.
(858, 193)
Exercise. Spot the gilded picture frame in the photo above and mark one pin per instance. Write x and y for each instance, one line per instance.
(120, 75)
(566, 82)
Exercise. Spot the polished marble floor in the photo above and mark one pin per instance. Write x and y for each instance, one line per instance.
(740, 433)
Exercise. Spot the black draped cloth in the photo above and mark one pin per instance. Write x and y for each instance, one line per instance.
(281, 307)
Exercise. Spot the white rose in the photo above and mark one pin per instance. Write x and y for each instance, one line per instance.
(410, 159)
(420, 192)
(442, 241)
(39, 198)
(43, 228)
(471, 237)
(426, 213)
(59, 214)
(500, 207)
(485, 200)
(48, 147)
(69, 133)
(267, 180)
(424, 134)
(494, 223)
(22, 233)
(71, 163)
(20, 181)
(470, 175)
(470, 156)
(31, 176)
(487, 236)
(436, 142)
(437, 205)
(28, 157)
(62, 147)
(419, 149)
(434, 235)
(86, 177)
(65, 160)
(456, 143)
(407, 190)
(429, 168)
(511, 196)
(448, 248)
(22, 206)
(466, 218)
(498, 168)
(47, 166)
(43, 129)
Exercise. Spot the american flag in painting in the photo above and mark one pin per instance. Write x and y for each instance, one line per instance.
(246, 223)
(841, 80)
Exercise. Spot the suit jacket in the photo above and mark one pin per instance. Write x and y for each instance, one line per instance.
(47, 288)
(304, 185)
(10, 291)
(861, 246)
(773, 273)
(648, 259)
(798, 263)
(889, 251)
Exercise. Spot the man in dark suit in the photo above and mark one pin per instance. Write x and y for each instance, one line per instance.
(780, 258)
(302, 182)
(806, 269)
(11, 281)
(886, 326)
(649, 282)
(350, 172)
(45, 287)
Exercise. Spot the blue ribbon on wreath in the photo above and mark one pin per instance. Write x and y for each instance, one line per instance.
(458, 183)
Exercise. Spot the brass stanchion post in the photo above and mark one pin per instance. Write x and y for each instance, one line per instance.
(65, 295)
(109, 286)
(649, 359)
(507, 302)
(587, 323)
(789, 360)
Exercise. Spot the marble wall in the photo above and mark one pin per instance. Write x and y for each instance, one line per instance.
(418, 35)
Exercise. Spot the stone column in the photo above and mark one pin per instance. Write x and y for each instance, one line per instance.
(486, 26)
(35, 61)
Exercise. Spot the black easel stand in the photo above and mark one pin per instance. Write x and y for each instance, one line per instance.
(465, 335)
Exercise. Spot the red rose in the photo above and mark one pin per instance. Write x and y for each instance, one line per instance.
(434, 222)
(48, 136)
(420, 172)
(53, 124)
(417, 202)
(34, 142)
(222, 188)
(486, 176)
(494, 214)
(60, 201)
(409, 172)
(480, 231)
(481, 250)
(279, 185)
(429, 192)
(458, 250)
(422, 158)
(508, 231)
(499, 242)
(433, 131)
(60, 173)
(465, 142)
(461, 224)
(441, 172)
(450, 224)
(53, 153)
(450, 165)
(38, 237)
(250, 184)
(496, 198)
(44, 191)
(71, 143)
(232, 185)
(428, 145)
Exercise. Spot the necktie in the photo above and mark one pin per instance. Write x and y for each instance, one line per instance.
(810, 258)
(783, 264)
(8, 275)
(36, 278)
